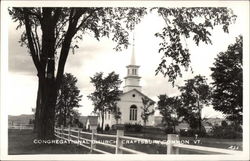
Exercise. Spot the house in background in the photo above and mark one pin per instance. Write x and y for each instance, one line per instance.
(130, 104)
(158, 121)
(208, 126)
(92, 121)
(182, 126)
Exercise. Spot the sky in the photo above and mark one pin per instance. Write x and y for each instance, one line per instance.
(98, 56)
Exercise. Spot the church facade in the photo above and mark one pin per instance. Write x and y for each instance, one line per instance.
(130, 104)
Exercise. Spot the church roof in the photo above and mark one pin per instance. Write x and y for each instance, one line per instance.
(139, 93)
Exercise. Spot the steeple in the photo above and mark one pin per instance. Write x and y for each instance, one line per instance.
(132, 60)
(132, 80)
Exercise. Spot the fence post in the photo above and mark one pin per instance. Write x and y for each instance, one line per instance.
(93, 139)
(69, 132)
(172, 138)
(61, 131)
(78, 136)
(119, 132)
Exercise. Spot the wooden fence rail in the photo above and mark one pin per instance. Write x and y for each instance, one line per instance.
(171, 146)
(21, 126)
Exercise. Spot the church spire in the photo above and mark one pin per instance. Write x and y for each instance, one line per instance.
(132, 80)
(132, 61)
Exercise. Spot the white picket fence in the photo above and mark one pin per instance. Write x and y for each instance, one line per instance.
(171, 147)
(21, 126)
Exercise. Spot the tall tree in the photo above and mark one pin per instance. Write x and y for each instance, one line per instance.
(227, 75)
(50, 33)
(168, 107)
(194, 94)
(146, 112)
(67, 101)
(106, 93)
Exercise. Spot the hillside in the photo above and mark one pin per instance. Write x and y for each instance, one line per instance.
(25, 119)
(21, 119)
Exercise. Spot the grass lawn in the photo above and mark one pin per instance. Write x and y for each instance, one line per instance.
(21, 142)
(161, 149)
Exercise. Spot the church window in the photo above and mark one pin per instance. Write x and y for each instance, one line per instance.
(109, 115)
(128, 71)
(133, 95)
(133, 71)
(133, 113)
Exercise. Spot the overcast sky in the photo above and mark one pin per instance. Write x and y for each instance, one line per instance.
(94, 56)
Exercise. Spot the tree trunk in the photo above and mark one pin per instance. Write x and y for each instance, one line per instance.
(38, 107)
(200, 122)
(174, 130)
(102, 121)
(45, 127)
(48, 84)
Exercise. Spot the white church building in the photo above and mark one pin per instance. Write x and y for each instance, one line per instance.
(130, 103)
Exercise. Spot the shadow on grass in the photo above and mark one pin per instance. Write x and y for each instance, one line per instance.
(22, 142)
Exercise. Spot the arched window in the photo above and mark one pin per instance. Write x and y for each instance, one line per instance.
(133, 113)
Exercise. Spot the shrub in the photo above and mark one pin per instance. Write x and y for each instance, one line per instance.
(228, 132)
(193, 132)
(107, 128)
(169, 130)
(99, 129)
(152, 130)
(133, 127)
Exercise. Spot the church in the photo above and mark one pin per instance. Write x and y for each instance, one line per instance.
(130, 104)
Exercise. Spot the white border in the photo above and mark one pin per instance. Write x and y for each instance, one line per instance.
(4, 77)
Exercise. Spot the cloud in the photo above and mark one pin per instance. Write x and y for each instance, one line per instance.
(19, 60)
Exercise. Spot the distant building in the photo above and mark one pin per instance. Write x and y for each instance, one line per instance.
(214, 121)
(91, 121)
(208, 126)
(158, 121)
(182, 126)
(130, 103)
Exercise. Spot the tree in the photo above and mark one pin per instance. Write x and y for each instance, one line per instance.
(106, 93)
(50, 33)
(67, 100)
(147, 104)
(116, 112)
(227, 76)
(168, 107)
(182, 24)
(194, 94)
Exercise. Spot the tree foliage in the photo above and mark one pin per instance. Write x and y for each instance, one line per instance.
(182, 24)
(106, 92)
(194, 94)
(169, 107)
(227, 77)
(67, 101)
(146, 112)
